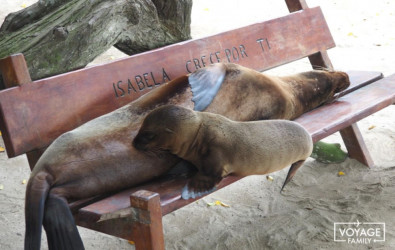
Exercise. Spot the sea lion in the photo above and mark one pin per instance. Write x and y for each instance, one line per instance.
(218, 146)
(98, 157)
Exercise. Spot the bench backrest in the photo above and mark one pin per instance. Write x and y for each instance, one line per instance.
(33, 114)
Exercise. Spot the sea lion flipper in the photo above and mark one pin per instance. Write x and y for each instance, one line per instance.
(292, 170)
(182, 168)
(187, 194)
(200, 185)
(205, 84)
(59, 225)
(36, 192)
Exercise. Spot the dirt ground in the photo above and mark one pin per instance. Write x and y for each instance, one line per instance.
(259, 217)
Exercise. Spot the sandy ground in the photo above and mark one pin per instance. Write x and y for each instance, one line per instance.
(259, 217)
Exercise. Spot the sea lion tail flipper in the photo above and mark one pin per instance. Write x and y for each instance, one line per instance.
(292, 170)
(62, 233)
(36, 193)
(205, 84)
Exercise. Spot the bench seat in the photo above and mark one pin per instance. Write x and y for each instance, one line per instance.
(320, 122)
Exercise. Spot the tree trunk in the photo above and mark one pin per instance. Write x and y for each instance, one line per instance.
(58, 36)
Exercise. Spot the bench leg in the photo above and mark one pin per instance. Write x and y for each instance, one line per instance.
(148, 232)
(34, 156)
(321, 60)
(355, 145)
(295, 5)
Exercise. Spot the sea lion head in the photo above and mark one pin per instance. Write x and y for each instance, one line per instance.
(334, 81)
(314, 88)
(337, 81)
(166, 127)
(340, 80)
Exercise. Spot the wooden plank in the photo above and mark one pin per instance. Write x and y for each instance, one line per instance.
(355, 145)
(169, 189)
(119, 225)
(140, 221)
(34, 156)
(320, 59)
(14, 71)
(38, 113)
(296, 5)
(360, 79)
(326, 120)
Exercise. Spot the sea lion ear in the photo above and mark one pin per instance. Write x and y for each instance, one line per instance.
(205, 84)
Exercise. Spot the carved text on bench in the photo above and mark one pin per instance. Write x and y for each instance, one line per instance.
(231, 55)
(148, 80)
(215, 57)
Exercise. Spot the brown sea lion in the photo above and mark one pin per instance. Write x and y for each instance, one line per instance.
(218, 146)
(98, 157)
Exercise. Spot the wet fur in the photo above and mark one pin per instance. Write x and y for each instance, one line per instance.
(98, 157)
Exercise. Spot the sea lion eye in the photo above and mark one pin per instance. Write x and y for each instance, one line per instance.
(148, 136)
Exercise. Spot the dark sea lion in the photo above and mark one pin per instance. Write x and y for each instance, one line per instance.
(271, 97)
(218, 146)
(98, 157)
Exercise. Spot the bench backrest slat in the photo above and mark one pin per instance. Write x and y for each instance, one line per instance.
(34, 114)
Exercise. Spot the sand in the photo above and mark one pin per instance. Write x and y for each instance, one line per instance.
(259, 217)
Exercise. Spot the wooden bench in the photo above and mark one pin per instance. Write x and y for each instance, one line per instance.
(34, 113)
